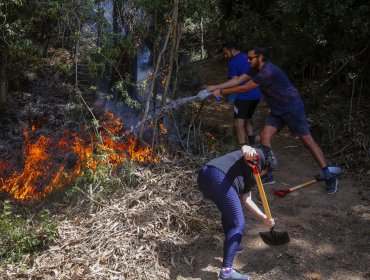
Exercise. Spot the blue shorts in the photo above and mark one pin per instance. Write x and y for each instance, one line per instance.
(296, 121)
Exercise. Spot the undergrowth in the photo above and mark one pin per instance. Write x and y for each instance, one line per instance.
(21, 235)
(28, 228)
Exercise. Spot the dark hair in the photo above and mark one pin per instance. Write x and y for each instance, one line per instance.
(259, 49)
(230, 45)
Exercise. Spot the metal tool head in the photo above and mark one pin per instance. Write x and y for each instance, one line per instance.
(274, 237)
(281, 193)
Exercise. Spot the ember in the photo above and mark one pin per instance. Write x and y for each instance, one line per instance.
(150, 76)
(163, 129)
(165, 75)
(210, 140)
(35, 124)
(4, 165)
(51, 163)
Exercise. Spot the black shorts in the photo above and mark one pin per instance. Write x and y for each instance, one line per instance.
(244, 109)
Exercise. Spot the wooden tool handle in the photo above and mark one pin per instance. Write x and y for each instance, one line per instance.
(262, 193)
(302, 185)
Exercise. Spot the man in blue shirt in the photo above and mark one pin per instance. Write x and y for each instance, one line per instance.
(245, 102)
(286, 106)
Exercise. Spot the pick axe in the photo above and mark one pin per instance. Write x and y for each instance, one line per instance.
(319, 177)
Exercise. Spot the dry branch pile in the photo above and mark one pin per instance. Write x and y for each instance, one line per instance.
(138, 235)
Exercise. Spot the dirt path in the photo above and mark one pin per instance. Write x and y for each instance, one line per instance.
(330, 235)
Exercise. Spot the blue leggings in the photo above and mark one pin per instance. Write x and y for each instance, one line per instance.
(214, 185)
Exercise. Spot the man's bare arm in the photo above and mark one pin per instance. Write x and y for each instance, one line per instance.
(234, 81)
(248, 86)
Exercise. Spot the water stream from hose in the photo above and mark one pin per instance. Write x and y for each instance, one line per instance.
(203, 94)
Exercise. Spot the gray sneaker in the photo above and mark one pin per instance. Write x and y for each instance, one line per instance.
(233, 275)
(331, 185)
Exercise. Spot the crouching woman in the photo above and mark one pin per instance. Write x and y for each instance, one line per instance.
(228, 181)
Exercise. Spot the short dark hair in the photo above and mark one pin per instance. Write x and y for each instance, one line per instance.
(259, 49)
(230, 45)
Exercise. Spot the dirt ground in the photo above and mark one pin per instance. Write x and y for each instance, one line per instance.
(330, 235)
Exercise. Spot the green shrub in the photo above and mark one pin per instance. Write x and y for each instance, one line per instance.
(20, 236)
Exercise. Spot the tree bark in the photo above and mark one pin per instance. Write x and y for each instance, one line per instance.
(176, 58)
(173, 50)
(3, 81)
(201, 39)
(150, 94)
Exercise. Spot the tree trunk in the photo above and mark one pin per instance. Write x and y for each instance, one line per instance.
(114, 68)
(178, 38)
(201, 39)
(172, 51)
(3, 81)
(150, 94)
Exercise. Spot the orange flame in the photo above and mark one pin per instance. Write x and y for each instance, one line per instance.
(162, 128)
(50, 164)
(150, 76)
(210, 140)
(164, 80)
(165, 75)
(36, 123)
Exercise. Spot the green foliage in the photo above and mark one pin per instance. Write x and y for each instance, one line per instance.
(121, 87)
(98, 62)
(105, 175)
(201, 20)
(154, 6)
(302, 33)
(101, 173)
(64, 67)
(29, 28)
(126, 172)
(20, 235)
(14, 30)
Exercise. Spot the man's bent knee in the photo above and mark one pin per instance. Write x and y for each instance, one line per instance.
(265, 136)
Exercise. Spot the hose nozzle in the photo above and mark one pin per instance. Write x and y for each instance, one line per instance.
(203, 94)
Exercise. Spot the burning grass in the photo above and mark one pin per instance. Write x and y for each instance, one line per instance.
(52, 162)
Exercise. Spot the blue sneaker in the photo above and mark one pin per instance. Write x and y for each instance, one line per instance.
(232, 274)
(240, 249)
(331, 185)
(268, 179)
